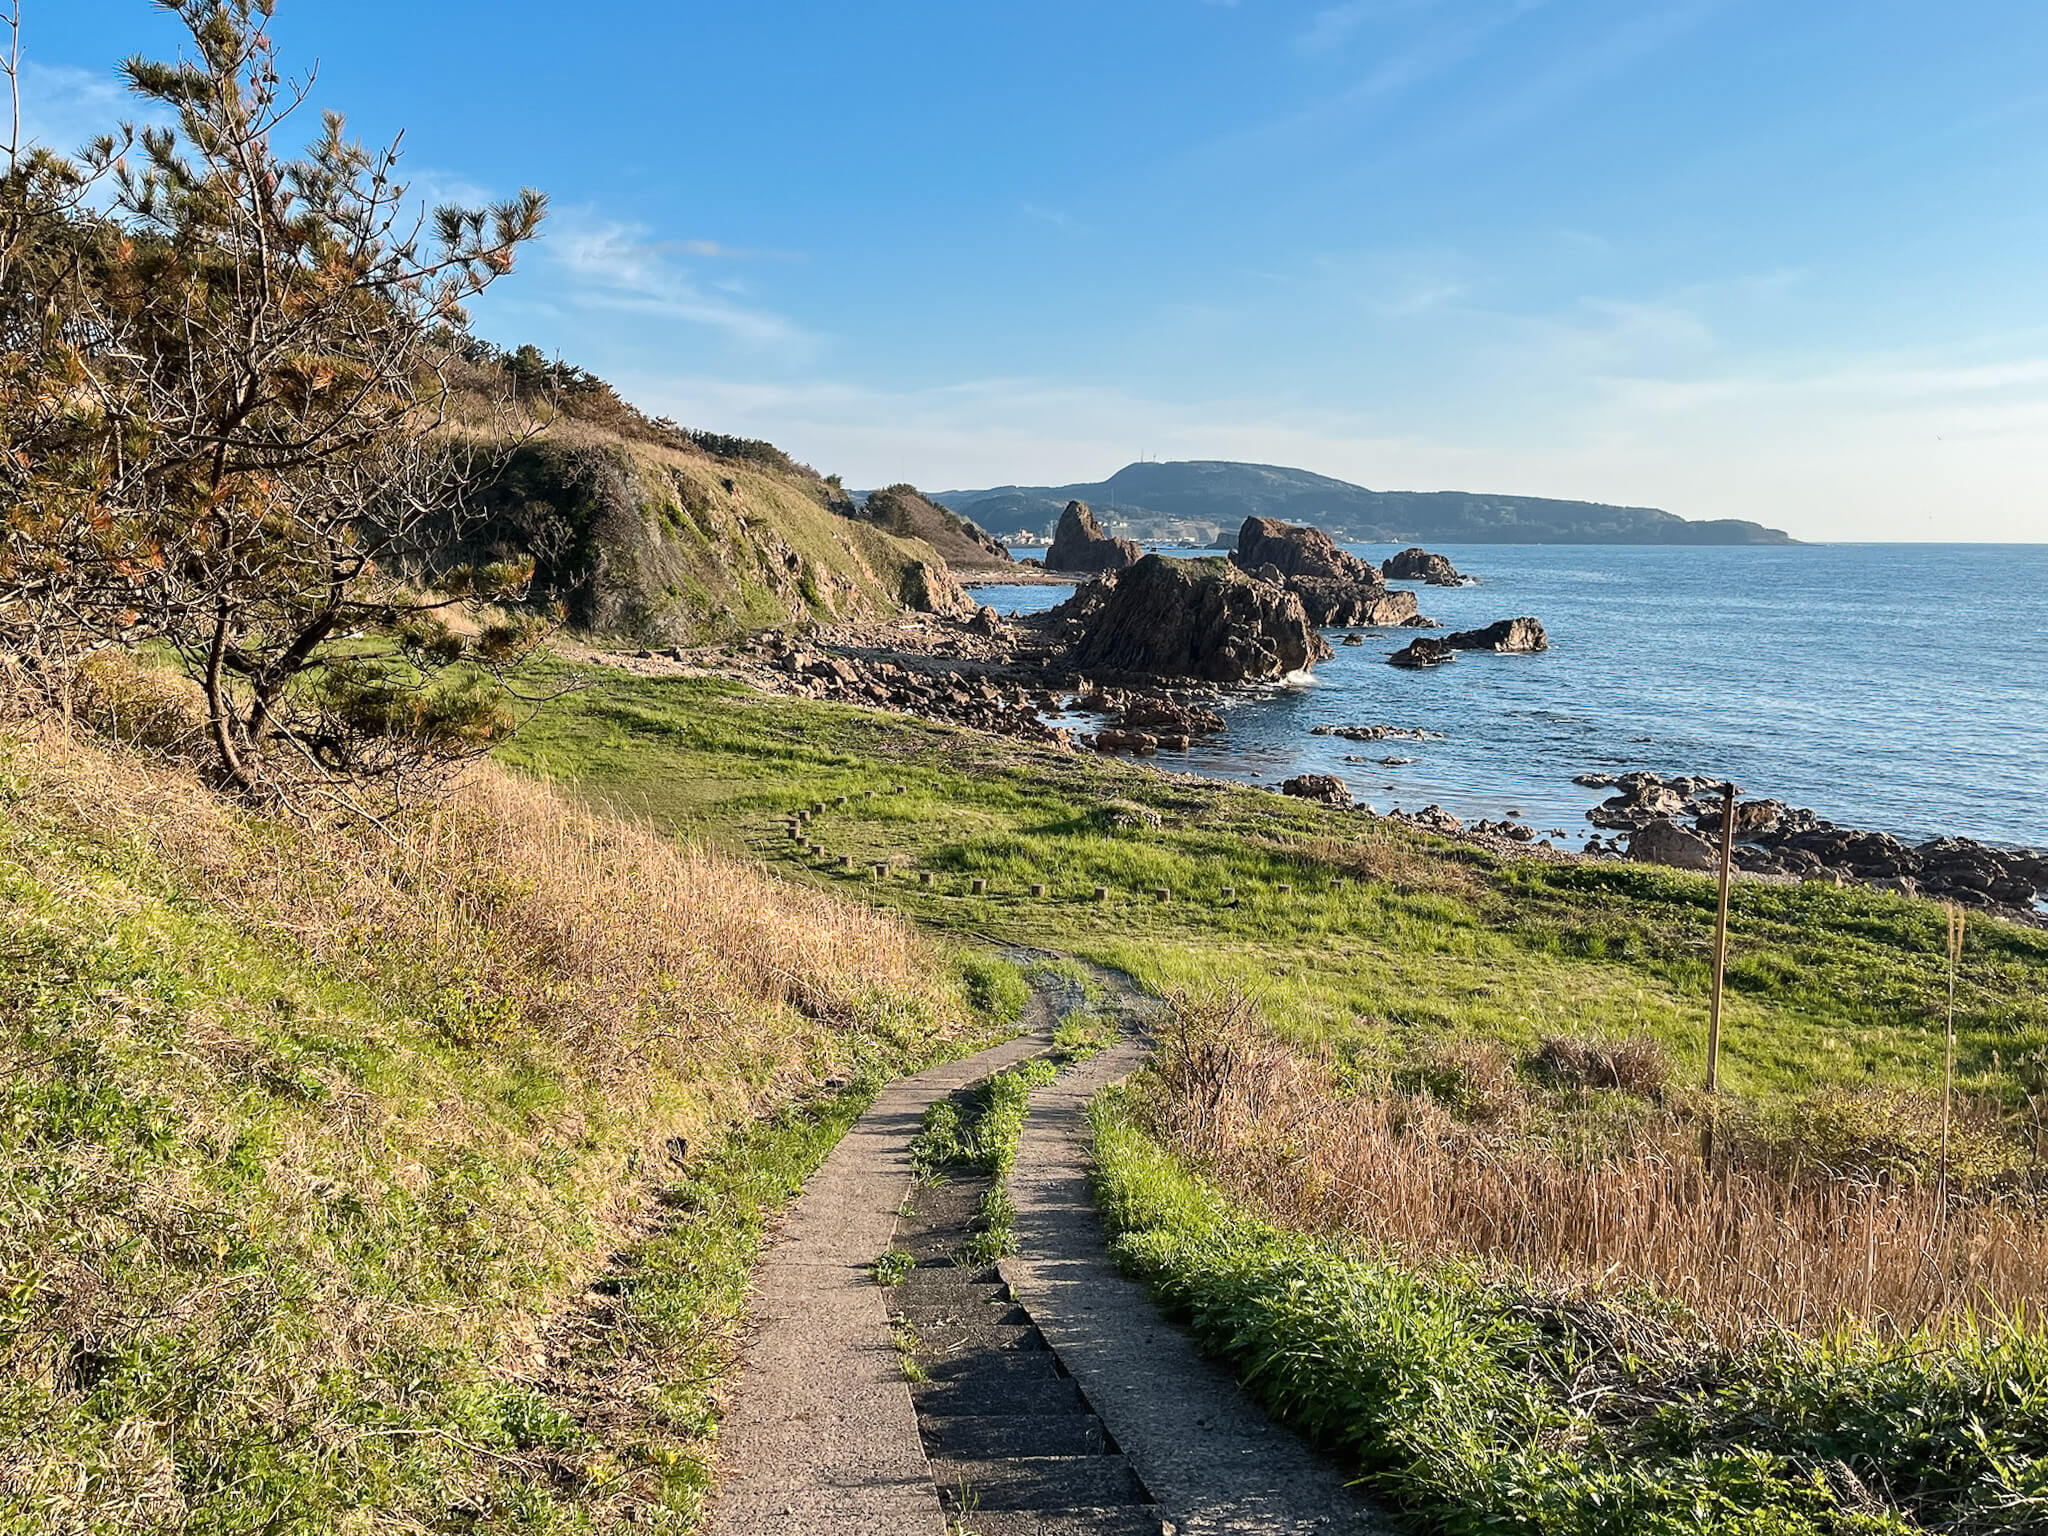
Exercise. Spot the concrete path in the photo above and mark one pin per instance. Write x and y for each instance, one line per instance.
(820, 1439)
(1209, 1455)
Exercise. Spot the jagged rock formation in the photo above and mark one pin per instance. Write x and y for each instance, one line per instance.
(928, 587)
(1082, 544)
(1335, 586)
(1191, 618)
(1325, 787)
(1515, 636)
(1418, 564)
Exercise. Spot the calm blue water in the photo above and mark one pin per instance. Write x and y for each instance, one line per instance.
(1901, 687)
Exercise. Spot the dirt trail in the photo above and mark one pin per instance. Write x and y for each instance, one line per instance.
(1055, 1400)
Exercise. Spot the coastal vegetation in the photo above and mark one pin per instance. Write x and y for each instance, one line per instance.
(1422, 1154)
(351, 1177)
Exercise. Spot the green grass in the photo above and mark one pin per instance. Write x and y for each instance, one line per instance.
(280, 1234)
(1422, 939)
(978, 1132)
(1475, 1411)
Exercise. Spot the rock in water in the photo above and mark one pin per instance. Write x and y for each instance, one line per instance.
(1082, 544)
(1519, 636)
(1423, 653)
(1326, 787)
(1664, 841)
(1335, 586)
(1419, 564)
(1193, 618)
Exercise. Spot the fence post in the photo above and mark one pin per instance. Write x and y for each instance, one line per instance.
(1948, 1055)
(1721, 939)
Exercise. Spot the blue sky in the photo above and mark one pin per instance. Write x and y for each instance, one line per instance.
(1746, 258)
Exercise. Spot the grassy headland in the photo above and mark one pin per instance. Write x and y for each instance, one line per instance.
(1388, 943)
(349, 1181)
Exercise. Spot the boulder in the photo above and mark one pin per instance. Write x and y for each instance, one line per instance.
(1324, 787)
(1419, 564)
(1519, 636)
(1080, 543)
(1423, 653)
(1192, 618)
(1664, 841)
(1334, 585)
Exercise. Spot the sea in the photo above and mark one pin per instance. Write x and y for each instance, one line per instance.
(1898, 687)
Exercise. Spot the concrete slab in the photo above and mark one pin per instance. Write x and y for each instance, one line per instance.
(1209, 1455)
(820, 1439)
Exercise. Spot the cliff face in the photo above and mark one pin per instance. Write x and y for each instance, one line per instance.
(659, 543)
(908, 513)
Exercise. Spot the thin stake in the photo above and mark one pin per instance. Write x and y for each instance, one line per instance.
(1956, 920)
(1721, 937)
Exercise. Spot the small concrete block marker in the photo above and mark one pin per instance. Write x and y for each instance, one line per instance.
(980, 886)
(924, 877)
(902, 789)
(881, 871)
(846, 861)
(842, 800)
(1102, 893)
(1283, 889)
(1038, 888)
(1228, 893)
(1162, 894)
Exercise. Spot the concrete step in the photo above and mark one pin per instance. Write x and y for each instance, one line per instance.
(997, 1396)
(1035, 1482)
(966, 1309)
(1103, 1520)
(986, 1436)
(950, 1341)
(1003, 1365)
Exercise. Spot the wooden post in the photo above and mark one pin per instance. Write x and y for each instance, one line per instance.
(1721, 938)
(1948, 1055)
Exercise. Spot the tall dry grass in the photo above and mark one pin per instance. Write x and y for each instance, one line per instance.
(512, 912)
(1760, 1238)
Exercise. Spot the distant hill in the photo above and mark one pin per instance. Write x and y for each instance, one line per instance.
(1182, 499)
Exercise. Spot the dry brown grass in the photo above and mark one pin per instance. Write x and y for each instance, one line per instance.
(464, 1051)
(1814, 1218)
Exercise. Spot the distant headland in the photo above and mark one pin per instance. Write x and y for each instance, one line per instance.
(1204, 500)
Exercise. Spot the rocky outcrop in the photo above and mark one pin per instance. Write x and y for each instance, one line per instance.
(1417, 654)
(1511, 636)
(1192, 618)
(930, 588)
(1334, 585)
(1325, 788)
(1082, 545)
(1418, 564)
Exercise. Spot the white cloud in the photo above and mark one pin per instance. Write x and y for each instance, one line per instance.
(617, 266)
(1878, 449)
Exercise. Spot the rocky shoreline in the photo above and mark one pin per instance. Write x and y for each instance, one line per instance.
(1141, 660)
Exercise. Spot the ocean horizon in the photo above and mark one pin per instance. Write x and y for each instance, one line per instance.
(1885, 685)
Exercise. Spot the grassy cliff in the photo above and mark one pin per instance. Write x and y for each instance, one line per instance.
(650, 534)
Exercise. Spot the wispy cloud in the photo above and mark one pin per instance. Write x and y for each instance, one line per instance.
(1333, 27)
(619, 266)
(64, 108)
